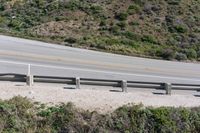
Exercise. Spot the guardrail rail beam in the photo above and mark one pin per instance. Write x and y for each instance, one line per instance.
(77, 81)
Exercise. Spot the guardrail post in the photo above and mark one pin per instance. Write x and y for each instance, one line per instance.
(29, 69)
(29, 77)
(78, 83)
(29, 80)
(168, 88)
(124, 85)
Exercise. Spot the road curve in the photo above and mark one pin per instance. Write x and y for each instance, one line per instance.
(55, 60)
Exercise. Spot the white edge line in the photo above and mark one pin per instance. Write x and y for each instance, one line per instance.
(99, 71)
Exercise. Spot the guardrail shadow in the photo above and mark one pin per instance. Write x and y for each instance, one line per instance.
(115, 90)
(69, 88)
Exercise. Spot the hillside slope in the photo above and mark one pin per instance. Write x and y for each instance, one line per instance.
(168, 29)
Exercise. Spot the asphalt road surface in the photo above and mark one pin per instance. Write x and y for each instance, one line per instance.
(55, 60)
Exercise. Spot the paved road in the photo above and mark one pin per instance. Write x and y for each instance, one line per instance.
(56, 60)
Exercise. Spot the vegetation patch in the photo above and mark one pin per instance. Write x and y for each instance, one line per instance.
(165, 29)
(19, 114)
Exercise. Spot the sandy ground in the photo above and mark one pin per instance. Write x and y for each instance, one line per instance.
(99, 99)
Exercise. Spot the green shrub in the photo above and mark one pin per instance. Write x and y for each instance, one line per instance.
(134, 23)
(162, 120)
(72, 5)
(115, 29)
(57, 116)
(180, 56)
(60, 18)
(102, 23)
(139, 2)
(15, 24)
(96, 9)
(130, 43)
(133, 9)
(112, 41)
(191, 53)
(131, 35)
(149, 39)
(121, 16)
(16, 114)
(40, 3)
(122, 24)
(71, 40)
(2, 7)
(174, 2)
(167, 54)
(180, 28)
(20, 115)
(1, 19)
(198, 54)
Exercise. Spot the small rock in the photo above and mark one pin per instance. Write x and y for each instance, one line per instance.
(30, 92)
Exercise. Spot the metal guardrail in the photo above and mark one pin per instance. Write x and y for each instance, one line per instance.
(30, 79)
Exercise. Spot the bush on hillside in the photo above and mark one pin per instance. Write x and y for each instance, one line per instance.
(180, 56)
(149, 39)
(20, 115)
(180, 28)
(191, 53)
(156, 24)
(167, 54)
(133, 9)
(71, 40)
(121, 16)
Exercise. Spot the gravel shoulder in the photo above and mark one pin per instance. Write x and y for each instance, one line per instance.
(94, 99)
